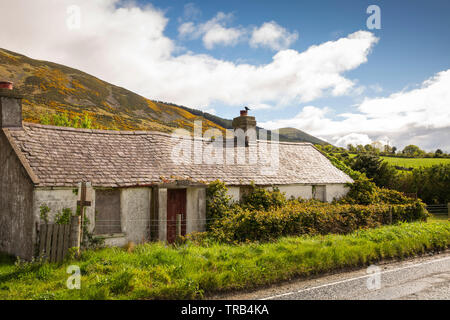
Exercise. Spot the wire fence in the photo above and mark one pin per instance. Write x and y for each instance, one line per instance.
(438, 209)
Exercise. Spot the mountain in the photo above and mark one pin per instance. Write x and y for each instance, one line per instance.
(296, 135)
(51, 88)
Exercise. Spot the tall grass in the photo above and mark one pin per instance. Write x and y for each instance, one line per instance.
(158, 271)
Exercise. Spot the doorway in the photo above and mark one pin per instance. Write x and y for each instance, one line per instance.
(176, 205)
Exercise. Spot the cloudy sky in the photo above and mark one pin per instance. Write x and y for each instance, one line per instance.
(312, 65)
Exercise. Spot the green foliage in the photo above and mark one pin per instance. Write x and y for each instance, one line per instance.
(122, 282)
(381, 173)
(158, 271)
(218, 202)
(361, 191)
(64, 120)
(340, 164)
(311, 218)
(413, 151)
(432, 184)
(64, 216)
(263, 199)
(43, 212)
(364, 191)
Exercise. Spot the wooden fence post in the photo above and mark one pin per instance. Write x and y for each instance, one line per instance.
(178, 225)
(75, 226)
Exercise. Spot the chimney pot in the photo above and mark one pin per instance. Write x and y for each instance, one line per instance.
(6, 85)
(243, 113)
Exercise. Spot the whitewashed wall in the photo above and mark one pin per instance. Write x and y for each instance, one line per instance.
(59, 199)
(296, 191)
(335, 191)
(195, 209)
(233, 192)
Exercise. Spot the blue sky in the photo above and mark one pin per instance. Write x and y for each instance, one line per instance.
(414, 38)
(313, 65)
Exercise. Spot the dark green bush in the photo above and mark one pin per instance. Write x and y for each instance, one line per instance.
(263, 199)
(361, 191)
(297, 218)
(364, 191)
(218, 202)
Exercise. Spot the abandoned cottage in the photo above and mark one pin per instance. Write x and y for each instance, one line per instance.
(138, 187)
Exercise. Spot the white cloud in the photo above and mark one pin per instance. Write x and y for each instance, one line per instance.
(419, 116)
(213, 32)
(354, 139)
(191, 11)
(272, 35)
(127, 46)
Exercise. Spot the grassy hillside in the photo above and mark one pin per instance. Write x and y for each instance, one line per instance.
(53, 88)
(415, 162)
(50, 88)
(296, 135)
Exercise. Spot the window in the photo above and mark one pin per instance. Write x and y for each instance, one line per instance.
(107, 211)
(319, 193)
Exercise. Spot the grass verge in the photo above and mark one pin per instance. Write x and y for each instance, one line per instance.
(156, 271)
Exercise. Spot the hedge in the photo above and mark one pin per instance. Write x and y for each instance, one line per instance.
(312, 218)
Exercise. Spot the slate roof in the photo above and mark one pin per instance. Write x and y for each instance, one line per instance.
(58, 156)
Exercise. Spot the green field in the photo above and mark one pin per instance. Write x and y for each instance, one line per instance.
(415, 162)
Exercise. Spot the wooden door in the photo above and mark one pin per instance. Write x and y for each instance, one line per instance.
(176, 204)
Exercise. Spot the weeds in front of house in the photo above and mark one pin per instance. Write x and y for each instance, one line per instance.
(188, 271)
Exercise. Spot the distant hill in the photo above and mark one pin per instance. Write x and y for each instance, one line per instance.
(51, 88)
(296, 135)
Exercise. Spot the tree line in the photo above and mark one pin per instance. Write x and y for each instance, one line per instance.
(431, 184)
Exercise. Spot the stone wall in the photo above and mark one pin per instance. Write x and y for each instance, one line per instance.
(16, 204)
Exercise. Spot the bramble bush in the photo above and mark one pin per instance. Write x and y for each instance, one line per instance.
(364, 191)
(297, 218)
(263, 199)
(265, 215)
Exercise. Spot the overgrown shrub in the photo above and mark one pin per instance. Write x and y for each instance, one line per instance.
(364, 191)
(263, 199)
(361, 191)
(297, 218)
(64, 216)
(217, 201)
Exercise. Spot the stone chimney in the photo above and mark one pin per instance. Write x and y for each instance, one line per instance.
(247, 126)
(10, 106)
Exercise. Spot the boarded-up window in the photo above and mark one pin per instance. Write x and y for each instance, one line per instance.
(107, 211)
(319, 193)
(244, 191)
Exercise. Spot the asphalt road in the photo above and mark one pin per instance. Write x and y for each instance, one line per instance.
(420, 278)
